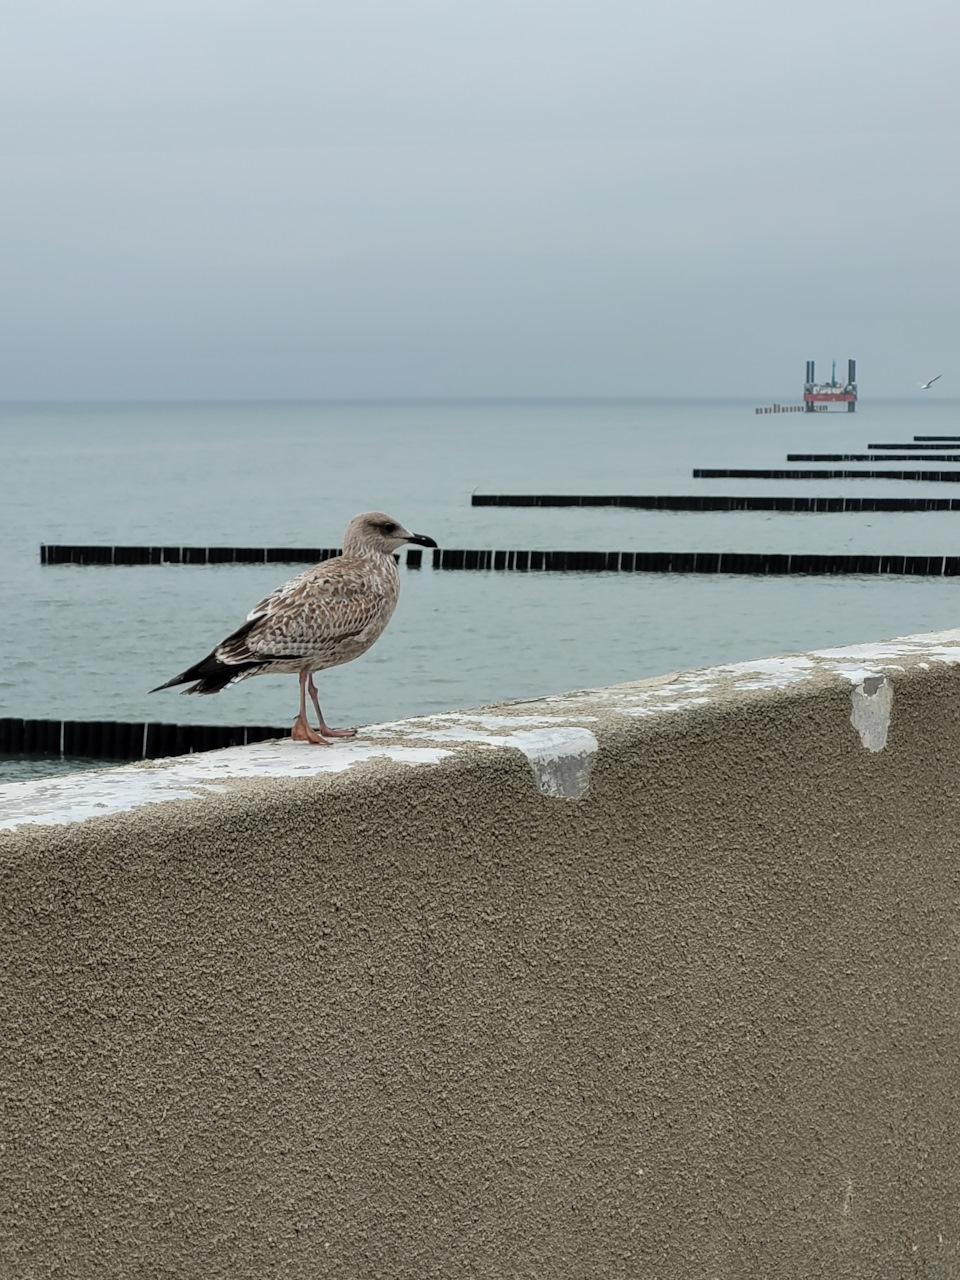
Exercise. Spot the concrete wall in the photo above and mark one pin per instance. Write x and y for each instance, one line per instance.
(659, 981)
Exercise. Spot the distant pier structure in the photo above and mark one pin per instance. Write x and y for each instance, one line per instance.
(817, 394)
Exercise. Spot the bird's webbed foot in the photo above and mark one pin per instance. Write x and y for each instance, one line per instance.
(303, 732)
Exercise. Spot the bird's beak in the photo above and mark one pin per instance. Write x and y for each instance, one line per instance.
(421, 540)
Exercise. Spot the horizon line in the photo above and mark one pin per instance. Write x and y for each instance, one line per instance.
(93, 401)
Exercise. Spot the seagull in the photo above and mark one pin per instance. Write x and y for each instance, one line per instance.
(323, 617)
(925, 386)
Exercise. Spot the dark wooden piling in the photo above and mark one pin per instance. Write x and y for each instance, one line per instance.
(731, 562)
(872, 457)
(52, 553)
(715, 502)
(123, 740)
(773, 473)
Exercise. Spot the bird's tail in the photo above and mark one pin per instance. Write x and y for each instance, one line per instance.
(210, 675)
(209, 684)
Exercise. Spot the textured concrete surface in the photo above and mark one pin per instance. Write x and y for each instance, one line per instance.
(652, 981)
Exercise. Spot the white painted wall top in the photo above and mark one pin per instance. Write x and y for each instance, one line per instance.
(557, 734)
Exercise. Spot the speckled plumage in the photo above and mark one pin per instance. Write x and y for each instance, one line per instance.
(323, 617)
(326, 616)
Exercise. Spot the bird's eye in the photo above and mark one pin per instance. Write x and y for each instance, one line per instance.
(388, 529)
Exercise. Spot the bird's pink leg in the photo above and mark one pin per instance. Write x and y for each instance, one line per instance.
(325, 728)
(302, 731)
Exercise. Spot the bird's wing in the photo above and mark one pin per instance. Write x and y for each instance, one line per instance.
(312, 612)
(263, 608)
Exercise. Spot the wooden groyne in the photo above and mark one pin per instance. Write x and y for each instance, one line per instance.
(774, 473)
(713, 502)
(872, 457)
(52, 553)
(120, 740)
(733, 562)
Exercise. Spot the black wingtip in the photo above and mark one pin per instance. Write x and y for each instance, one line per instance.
(169, 684)
(211, 682)
(212, 675)
(192, 673)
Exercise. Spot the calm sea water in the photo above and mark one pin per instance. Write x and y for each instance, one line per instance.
(87, 643)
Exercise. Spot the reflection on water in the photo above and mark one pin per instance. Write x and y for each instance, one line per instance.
(29, 768)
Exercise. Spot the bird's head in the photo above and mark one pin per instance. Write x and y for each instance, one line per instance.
(374, 531)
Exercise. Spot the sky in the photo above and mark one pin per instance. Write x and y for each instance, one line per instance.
(258, 199)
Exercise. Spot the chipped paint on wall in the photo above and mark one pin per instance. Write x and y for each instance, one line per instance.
(561, 759)
(872, 706)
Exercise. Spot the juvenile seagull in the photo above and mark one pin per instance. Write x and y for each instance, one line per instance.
(323, 617)
(925, 386)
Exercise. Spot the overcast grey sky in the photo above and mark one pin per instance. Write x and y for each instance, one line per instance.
(325, 198)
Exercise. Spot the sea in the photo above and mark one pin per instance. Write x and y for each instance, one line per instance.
(86, 642)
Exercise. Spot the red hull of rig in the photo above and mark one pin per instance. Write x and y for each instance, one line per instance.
(815, 393)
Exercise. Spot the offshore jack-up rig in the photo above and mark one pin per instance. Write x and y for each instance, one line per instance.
(817, 395)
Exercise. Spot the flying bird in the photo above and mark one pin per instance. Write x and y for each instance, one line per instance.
(323, 617)
(925, 386)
